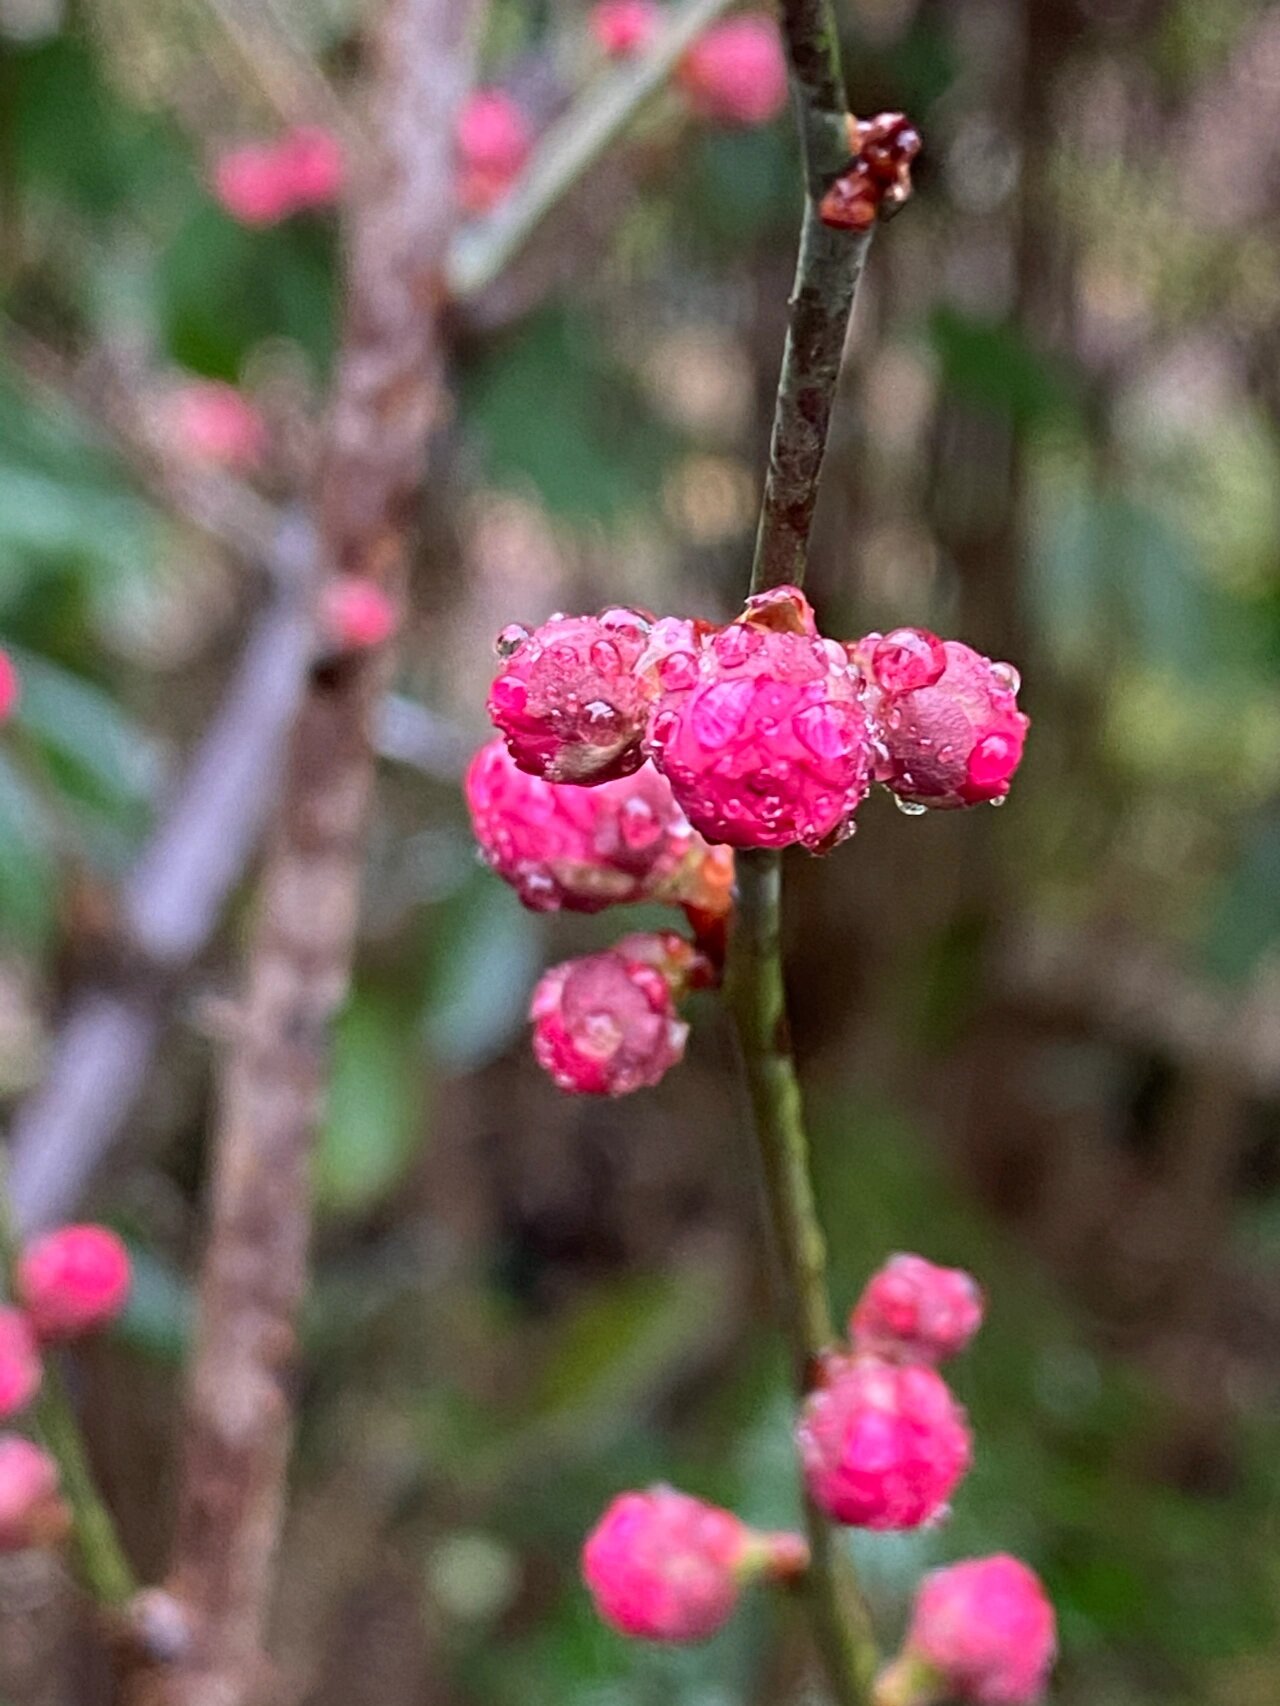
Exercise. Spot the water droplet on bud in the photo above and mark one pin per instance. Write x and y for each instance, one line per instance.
(510, 640)
(910, 808)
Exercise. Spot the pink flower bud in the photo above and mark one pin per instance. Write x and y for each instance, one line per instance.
(19, 1362)
(663, 1566)
(912, 1311)
(736, 73)
(254, 183)
(356, 614)
(73, 1281)
(606, 1024)
(762, 733)
(493, 143)
(10, 687)
(569, 699)
(214, 424)
(982, 1631)
(623, 28)
(582, 849)
(949, 737)
(883, 1445)
(31, 1513)
(314, 165)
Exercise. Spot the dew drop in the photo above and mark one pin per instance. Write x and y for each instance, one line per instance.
(1007, 676)
(735, 644)
(907, 659)
(678, 670)
(910, 808)
(638, 824)
(600, 716)
(993, 759)
(509, 694)
(510, 640)
(823, 730)
(718, 714)
(997, 799)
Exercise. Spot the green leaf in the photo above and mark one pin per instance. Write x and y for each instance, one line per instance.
(991, 364)
(485, 956)
(375, 1122)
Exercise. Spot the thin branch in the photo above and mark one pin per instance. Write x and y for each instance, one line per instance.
(570, 148)
(387, 399)
(827, 272)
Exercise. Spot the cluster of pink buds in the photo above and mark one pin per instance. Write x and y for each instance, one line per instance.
(638, 748)
(882, 1444)
(261, 183)
(66, 1284)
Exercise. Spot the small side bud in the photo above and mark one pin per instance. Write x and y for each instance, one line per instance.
(624, 28)
(877, 181)
(493, 142)
(913, 1311)
(73, 1281)
(736, 74)
(10, 687)
(31, 1511)
(215, 426)
(663, 1566)
(606, 1024)
(19, 1362)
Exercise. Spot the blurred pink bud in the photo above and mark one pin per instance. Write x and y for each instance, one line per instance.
(663, 1566)
(736, 73)
(254, 183)
(357, 614)
(582, 849)
(913, 1311)
(73, 1281)
(493, 142)
(762, 732)
(569, 699)
(982, 1631)
(215, 424)
(883, 1445)
(19, 1362)
(606, 1024)
(623, 28)
(31, 1513)
(314, 165)
(950, 737)
(10, 687)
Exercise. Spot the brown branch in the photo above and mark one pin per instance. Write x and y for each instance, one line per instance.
(386, 401)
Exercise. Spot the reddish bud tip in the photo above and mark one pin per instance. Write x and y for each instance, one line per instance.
(214, 424)
(10, 687)
(73, 1281)
(493, 143)
(877, 180)
(355, 614)
(912, 1311)
(19, 1362)
(623, 28)
(31, 1512)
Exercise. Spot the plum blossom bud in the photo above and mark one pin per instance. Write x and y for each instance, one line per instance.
(214, 424)
(313, 164)
(19, 1362)
(31, 1513)
(605, 1024)
(877, 181)
(493, 143)
(10, 687)
(73, 1281)
(762, 732)
(582, 849)
(951, 736)
(568, 696)
(982, 1631)
(623, 28)
(254, 183)
(883, 1445)
(356, 614)
(737, 72)
(912, 1311)
(663, 1566)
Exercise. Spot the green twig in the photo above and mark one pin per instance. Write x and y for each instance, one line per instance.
(827, 272)
(100, 1558)
(570, 148)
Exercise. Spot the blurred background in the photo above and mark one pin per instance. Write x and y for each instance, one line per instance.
(1042, 1043)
